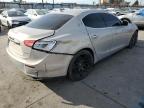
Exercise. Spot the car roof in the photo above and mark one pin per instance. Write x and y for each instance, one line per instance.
(76, 12)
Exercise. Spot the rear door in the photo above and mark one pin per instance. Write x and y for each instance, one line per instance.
(100, 35)
(120, 35)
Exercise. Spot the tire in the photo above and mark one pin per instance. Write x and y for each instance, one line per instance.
(8, 25)
(125, 19)
(133, 40)
(0, 26)
(80, 65)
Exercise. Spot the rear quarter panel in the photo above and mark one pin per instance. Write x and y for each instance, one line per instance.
(72, 37)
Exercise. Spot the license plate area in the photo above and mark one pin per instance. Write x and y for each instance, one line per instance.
(15, 47)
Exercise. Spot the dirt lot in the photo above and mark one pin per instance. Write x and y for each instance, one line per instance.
(116, 82)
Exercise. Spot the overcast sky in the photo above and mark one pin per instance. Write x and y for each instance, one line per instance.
(71, 1)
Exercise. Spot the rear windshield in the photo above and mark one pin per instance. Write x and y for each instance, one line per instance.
(15, 13)
(50, 21)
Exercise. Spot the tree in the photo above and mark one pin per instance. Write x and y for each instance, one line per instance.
(20, 1)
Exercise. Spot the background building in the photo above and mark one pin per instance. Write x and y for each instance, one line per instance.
(104, 1)
(111, 1)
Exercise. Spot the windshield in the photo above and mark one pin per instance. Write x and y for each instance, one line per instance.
(41, 12)
(50, 21)
(15, 13)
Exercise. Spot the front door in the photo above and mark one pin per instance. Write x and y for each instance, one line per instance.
(120, 35)
(100, 36)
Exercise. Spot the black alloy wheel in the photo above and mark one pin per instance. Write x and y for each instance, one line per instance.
(80, 65)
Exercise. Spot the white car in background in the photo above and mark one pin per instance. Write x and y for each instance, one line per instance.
(110, 10)
(36, 13)
(137, 17)
(12, 18)
(69, 42)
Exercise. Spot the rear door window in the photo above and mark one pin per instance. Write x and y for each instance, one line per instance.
(110, 20)
(94, 20)
(50, 21)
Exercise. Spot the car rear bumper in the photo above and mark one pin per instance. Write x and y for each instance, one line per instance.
(53, 65)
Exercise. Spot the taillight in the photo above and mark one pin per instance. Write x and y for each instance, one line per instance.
(44, 45)
(29, 43)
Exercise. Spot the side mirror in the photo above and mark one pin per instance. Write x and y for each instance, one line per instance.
(125, 23)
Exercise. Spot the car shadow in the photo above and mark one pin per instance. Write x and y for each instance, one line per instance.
(66, 89)
(141, 28)
(71, 92)
(140, 44)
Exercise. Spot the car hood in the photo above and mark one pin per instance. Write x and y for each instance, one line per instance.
(21, 18)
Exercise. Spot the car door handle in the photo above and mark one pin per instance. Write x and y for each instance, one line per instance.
(94, 36)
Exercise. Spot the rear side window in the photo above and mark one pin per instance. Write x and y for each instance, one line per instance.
(50, 21)
(110, 20)
(94, 20)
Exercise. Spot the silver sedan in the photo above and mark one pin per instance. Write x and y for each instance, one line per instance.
(68, 42)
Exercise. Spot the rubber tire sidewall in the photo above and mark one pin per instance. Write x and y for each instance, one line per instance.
(69, 74)
(0, 26)
(135, 35)
(8, 25)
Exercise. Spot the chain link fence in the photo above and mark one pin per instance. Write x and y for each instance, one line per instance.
(9, 5)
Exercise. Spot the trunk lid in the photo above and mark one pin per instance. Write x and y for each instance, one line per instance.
(17, 36)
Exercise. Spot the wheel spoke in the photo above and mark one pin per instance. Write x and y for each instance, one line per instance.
(81, 66)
